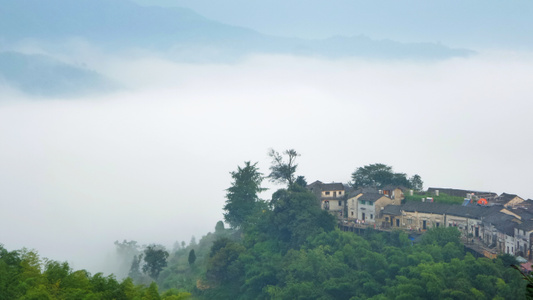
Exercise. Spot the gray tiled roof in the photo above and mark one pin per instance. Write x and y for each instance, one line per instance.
(526, 225)
(425, 207)
(390, 187)
(365, 190)
(394, 210)
(451, 209)
(502, 222)
(371, 197)
(504, 198)
(473, 211)
(335, 186)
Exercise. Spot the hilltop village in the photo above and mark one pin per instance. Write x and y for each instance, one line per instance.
(490, 224)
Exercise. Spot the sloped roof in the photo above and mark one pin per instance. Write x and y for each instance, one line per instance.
(394, 210)
(315, 183)
(365, 190)
(524, 213)
(504, 198)
(502, 222)
(373, 197)
(334, 186)
(526, 225)
(425, 207)
(390, 187)
(526, 205)
(474, 211)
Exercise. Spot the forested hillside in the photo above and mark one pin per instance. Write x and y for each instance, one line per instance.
(25, 275)
(283, 248)
(288, 248)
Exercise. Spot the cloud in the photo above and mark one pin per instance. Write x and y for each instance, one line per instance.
(151, 162)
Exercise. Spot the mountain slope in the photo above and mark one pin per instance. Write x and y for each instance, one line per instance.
(44, 76)
(119, 24)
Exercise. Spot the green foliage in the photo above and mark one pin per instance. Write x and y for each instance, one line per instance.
(300, 180)
(290, 249)
(24, 275)
(441, 236)
(135, 269)
(380, 175)
(441, 198)
(380, 265)
(297, 216)
(282, 171)
(416, 182)
(155, 258)
(219, 227)
(126, 250)
(223, 265)
(174, 294)
(508, 260)
(242, 197)
(192, 257)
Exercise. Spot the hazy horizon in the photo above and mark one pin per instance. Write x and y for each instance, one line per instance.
(150, 161)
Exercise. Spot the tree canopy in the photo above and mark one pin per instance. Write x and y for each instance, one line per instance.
(242, 196)
(379, 175)
(155, 258)
(25, 275)
(283, 170)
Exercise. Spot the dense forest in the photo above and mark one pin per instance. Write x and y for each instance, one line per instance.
(283, 248)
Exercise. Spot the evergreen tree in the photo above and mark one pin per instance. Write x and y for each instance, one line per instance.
(135, 269)
(155, 259)
(242, 196)
(192, 257)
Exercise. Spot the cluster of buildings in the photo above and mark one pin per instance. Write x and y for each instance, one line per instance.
(500, 223)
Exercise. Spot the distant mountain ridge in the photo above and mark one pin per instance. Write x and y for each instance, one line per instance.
(118, 24)
(177, 33)
(41, 75)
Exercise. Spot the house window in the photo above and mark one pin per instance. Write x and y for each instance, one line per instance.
(437, 224)
(409, 221)
(352, 213)
(371, 216)
(327, 193)
(340, 203)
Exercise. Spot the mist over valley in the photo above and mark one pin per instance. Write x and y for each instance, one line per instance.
(120, 121)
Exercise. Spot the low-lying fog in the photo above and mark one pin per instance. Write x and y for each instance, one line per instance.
(151, 162)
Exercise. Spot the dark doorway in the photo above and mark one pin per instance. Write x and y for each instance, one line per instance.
(424, 226)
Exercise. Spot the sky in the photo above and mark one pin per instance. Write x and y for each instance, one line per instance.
(475, 23)
(151, 161)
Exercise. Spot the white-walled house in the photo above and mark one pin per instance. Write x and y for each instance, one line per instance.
(332, 196)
